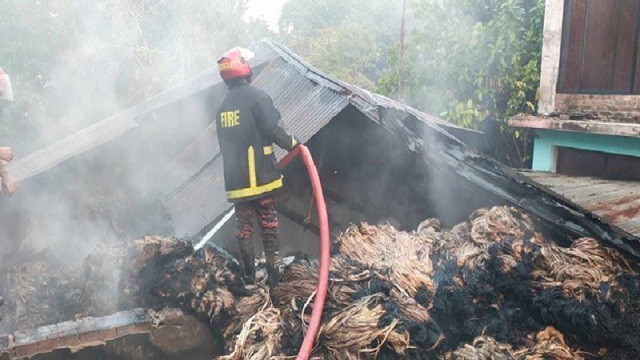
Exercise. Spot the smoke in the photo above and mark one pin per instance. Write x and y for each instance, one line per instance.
(79, 62)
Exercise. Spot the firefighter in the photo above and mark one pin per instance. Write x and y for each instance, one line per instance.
(248, 124)
(9, 183)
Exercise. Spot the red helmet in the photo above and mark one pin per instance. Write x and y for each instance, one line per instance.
(234, 64)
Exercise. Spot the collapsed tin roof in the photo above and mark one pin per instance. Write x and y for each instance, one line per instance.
(309, 101)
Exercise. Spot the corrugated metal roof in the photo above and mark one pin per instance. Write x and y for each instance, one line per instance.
(305, 108)
(83, 140)
(367, 102)
(617, 202)
(444, 152)
(199, 201)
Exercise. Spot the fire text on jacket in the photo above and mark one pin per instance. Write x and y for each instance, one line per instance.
(230, 118)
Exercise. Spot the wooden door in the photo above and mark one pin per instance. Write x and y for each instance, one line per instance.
(600, 47)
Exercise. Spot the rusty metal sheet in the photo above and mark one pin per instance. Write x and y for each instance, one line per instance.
(77, 334)
(617, 202)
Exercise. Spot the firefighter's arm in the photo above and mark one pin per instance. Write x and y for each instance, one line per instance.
(6, 154)
(269, 120)
(9, 183)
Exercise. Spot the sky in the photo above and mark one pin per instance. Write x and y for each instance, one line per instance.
(268, 10)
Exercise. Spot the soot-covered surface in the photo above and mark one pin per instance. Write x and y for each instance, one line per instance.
(491, 287)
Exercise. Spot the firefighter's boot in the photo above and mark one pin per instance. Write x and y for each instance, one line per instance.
(270, 245)
(248, 259)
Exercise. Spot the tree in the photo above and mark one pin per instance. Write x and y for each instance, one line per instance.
(476, 63)
(33, 33)
(347, 39)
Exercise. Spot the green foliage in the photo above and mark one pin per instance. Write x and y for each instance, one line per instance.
(347, 39)
(26, 48)
(475, 61)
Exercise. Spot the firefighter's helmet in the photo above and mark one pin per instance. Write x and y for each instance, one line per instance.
(234, 64)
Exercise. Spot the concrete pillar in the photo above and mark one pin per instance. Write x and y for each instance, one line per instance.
(552, 42)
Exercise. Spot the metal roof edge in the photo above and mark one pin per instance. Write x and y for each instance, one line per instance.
(529, 178)
(368, 101)
(295, 60)
(369, 105)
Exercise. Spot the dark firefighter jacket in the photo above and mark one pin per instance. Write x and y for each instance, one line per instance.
(248, 124)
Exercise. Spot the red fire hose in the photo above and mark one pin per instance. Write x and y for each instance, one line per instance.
(323, 223)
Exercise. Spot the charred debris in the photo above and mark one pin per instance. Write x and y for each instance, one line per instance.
(491, 287)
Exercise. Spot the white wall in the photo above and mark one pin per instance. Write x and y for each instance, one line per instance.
(550, 68)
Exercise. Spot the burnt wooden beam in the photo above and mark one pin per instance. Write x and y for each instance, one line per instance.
(76, 334)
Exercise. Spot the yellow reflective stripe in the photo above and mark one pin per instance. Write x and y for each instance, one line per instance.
(252, 191)
(251, 159)
(268, 150)
(293, 141)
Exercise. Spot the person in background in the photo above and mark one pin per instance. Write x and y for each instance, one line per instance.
(9, 183)
(248, 124)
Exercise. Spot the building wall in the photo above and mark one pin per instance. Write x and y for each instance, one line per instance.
(546, 142)
(621, 107)
(552, 43)
(549, 100)
(610, 108)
